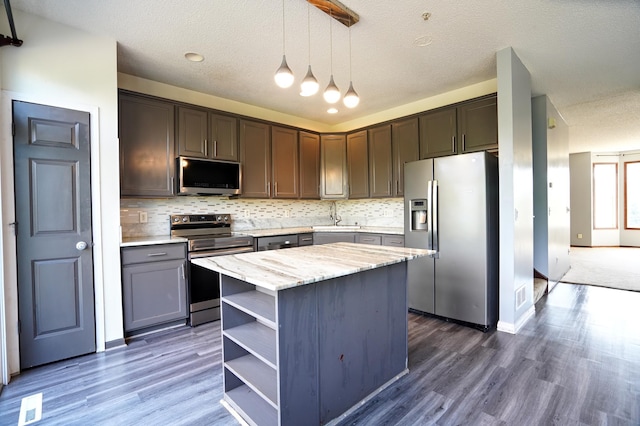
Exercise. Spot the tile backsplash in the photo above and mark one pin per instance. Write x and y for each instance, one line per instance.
(256, 214)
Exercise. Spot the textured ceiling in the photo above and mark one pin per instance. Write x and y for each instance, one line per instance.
(584, 54)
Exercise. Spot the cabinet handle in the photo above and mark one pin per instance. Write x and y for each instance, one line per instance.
(268, 189)
(464, 143)
(398, 186)
(275, 189)
(215, 148)
(182, 269)
(306, 239)
(156, 254)
(453, 144)
(389, 187)
(206, 148)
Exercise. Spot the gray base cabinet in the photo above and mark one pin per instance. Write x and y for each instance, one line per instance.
(307, 354)
(333, 237)
(153, 285)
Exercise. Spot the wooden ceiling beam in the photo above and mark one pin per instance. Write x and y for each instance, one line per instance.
(337, 10)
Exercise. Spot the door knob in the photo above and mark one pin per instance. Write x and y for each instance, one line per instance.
(81, 245)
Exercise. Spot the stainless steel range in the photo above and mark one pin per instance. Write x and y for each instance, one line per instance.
(208, 235)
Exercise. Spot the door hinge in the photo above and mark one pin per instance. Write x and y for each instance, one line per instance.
(15, 228)
(13, 128)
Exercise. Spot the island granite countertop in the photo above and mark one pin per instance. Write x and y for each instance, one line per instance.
(323, 228)
(281, 269)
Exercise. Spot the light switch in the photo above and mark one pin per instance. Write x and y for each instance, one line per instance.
(143, 217)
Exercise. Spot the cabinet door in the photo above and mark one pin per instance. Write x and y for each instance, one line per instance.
(309, 165)
(255, 155)
(153, 293)
(224, 137)
(380, 162)
(192, 132)
(147, 159)
(333, 237)
(373, 239)
(333, 166)
(284, 154)
(478, 125)
(357, 165)
(405, 140)
(438, 133)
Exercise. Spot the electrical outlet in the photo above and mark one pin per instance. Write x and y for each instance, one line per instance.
(388, 213)
(246, 214)
(287, 213)
(143, 217)
(579, 236)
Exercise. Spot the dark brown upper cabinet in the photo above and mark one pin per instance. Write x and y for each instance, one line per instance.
(147, 156)
(357, 165)
(380, 161)
(438, 133)
(405, 142)
(468, 127)
(255, 156)
(333, 167)
(284, 156)
(204, 134)
(478, 125)
(309, 165)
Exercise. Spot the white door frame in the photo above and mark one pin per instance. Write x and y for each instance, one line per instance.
(9, 339)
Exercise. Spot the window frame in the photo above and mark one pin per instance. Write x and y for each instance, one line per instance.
(626, 220)
(615, 191)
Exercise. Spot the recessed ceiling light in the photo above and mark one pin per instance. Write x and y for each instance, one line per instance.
(332, 110)
(194, 57)
(422, 41)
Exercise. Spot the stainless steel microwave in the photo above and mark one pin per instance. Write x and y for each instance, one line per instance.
(199, 176)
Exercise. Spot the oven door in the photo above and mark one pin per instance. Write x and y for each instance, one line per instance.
(204, 287)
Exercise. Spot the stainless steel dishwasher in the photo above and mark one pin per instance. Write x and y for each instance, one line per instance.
(277, 242)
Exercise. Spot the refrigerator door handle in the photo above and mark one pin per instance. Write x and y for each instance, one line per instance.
(434, 216)
(430, 215)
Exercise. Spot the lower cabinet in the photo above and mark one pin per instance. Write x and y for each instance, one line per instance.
(358, 237)
(333, 237)
(153, 285)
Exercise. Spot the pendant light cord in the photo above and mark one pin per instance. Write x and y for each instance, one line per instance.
(309, 31)
(350, 50)
(331, 40)
(283, 37)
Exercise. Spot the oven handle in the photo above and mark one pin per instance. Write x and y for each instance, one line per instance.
(220, 252)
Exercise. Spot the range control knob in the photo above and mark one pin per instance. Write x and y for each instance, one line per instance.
(185, 218)
(219, 218)
(176, 219)
(226, 218)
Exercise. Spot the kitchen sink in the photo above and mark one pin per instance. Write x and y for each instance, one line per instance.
(336, 228)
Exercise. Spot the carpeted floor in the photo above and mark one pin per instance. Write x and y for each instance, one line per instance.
(614, 267)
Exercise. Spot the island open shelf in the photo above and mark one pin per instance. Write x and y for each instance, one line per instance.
(310, 332)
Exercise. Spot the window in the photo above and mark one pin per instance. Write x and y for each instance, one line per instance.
(605, 196)
(632, 195)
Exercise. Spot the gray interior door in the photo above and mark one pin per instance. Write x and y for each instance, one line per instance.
(53, 215)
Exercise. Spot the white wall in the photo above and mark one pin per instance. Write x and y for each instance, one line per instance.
(581, 212)
(551, 190)
(60, 66)
(516, 190)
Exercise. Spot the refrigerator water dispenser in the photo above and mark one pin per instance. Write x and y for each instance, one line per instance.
(419, 215)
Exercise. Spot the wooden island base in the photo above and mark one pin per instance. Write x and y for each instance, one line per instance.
(307, 354)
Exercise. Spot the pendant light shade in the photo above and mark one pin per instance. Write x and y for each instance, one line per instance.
(351, 99)
(309, 86)
(332, 93)
(284, 76)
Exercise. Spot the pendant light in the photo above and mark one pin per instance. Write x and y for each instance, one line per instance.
(331, 93)
(351, 99)
(309, 86)
(284, 76)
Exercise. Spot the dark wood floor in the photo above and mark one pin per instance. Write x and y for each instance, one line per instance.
(576, 363)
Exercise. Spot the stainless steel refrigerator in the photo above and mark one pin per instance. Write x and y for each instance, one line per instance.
(451, 206)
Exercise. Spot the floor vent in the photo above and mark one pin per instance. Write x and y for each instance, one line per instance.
(30, 409)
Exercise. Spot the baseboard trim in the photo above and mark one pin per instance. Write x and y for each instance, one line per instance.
(114, 344)
(512, 328)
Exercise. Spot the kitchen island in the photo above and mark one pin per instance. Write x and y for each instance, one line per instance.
(311, 332)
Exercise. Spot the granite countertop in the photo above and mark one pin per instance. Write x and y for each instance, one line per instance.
(150, 240)
(281, 269)
(325, 228)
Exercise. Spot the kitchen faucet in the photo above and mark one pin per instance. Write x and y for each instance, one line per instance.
(333, 213)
